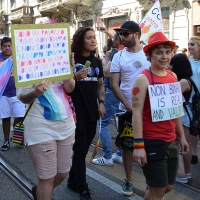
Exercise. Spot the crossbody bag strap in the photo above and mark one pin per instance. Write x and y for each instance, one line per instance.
(26, 114)
(151, 76)
(185, 107)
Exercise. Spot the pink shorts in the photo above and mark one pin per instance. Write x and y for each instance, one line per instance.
(52, 157)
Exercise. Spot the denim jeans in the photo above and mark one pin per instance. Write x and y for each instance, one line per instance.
(111, 106)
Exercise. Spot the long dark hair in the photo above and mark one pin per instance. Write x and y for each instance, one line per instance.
(181, 66)
(78, 40)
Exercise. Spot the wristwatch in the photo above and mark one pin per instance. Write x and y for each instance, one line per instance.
(101, 101)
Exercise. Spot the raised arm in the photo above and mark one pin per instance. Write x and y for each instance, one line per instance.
(138, 98)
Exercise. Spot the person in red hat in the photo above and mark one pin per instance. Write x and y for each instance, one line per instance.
(155, 144)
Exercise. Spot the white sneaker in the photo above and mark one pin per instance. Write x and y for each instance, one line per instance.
(103, 161)
(117, 158)
(181, 179)
(189, 175)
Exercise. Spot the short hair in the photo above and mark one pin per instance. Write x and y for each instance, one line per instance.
(149, 52)
(181, 66)
(78, 40)
(5, 39)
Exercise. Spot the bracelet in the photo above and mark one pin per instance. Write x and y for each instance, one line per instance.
(138, 143)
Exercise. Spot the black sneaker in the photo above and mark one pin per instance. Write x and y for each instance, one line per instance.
(5, 146)
(34, 188)
(85, 195)
(194, 160)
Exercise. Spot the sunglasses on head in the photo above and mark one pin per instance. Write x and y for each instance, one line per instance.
(125, 34)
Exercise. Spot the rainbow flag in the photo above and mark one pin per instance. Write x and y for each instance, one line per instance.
(95, 151)
(5, 71)
(97, 144)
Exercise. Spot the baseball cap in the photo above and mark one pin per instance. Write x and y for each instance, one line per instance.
(129, 26)
(158, 38)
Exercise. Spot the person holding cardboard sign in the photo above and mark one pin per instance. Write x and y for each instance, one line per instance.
(48, 133)
(155, 145)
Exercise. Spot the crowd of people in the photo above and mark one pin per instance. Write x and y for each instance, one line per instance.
(117, 82)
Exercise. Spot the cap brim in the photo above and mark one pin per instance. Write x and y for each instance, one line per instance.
(121, 29)
(147, 47)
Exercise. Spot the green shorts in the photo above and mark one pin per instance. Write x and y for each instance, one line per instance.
(161, 173)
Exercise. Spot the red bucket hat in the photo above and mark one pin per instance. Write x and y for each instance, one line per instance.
(158, 38)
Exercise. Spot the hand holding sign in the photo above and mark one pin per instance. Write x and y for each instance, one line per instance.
(41, 88)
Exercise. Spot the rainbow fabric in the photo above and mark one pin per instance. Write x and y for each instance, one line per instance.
(138, 143)
(5, 71)
(18, 134)
(95, 151)
(55, 103)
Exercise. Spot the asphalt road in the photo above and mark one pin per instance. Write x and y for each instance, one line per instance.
(104, 182)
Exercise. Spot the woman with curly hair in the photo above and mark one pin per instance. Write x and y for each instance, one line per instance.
(89, 88)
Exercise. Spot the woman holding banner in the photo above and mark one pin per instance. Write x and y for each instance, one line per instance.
(155, 145)
(49, 149)
(49, 132)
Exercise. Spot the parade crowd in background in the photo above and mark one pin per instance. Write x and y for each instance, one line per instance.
(64, 115)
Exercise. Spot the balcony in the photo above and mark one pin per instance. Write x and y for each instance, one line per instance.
(21, 12)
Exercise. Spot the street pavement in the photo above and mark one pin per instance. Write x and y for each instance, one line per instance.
(104, 182)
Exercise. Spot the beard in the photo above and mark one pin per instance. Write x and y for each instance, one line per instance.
(130, 43)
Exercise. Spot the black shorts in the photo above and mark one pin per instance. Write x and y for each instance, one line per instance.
(160, 173)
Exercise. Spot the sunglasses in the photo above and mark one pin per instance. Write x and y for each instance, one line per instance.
(125, 34)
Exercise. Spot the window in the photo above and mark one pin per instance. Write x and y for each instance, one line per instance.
(115, 22)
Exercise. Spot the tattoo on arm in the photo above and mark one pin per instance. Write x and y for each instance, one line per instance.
(135, 103)
(135, 91)
(27, 97)
(71, 86)
(102, 94)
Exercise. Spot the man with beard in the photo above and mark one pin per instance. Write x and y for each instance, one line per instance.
(126, 65)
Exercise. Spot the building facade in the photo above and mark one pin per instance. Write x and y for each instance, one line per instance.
(181, 18)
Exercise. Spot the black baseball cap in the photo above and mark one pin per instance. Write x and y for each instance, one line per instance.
(129, 26)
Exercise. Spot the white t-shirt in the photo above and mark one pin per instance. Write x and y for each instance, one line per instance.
(37, 128)
(129, 65)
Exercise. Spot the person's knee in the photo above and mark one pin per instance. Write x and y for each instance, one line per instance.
(61, 176)
(158, 193)
(49, 181)
(168, 188)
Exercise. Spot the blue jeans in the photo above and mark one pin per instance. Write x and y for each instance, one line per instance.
(111, 106)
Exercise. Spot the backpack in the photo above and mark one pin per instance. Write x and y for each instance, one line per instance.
(195, 120)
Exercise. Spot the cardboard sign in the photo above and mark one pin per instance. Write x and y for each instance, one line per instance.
(41, 51)
(151, 23)
(166, 101)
